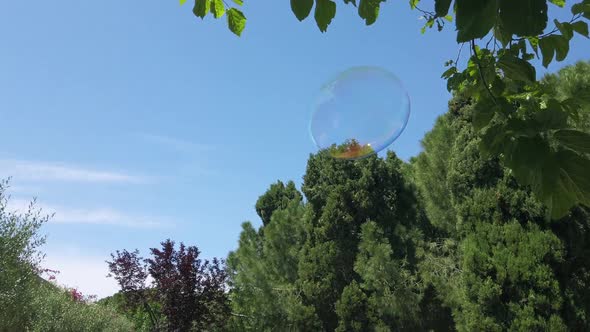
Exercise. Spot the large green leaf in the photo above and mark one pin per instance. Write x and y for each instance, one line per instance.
(475, 18)
(572, 185)
(553, 45)
(483, 112)
(566, 29)
(581, 28)
(441, 7)
(559, 179)
(527, 157)
(516, 68)
(494, 140)
(201, 8)
(325, 10)
(551, 117)
(217, 8)
(524, 17)
(369, 10)
(301, 8)
(574, 139)
(236, 21)
(582, 8)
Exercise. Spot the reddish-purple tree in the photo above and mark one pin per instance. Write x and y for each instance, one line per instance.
(128, 268)
(190, 291)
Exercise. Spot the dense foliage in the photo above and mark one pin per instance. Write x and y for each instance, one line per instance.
(30, 303)
(450, 241)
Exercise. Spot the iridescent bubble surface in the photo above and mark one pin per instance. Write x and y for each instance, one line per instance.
(360, 112)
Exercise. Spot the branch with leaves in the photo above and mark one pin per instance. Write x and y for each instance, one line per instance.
(518, 122)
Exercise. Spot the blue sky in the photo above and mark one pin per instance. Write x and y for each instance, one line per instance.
(135, 121)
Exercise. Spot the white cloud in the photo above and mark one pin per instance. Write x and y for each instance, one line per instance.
(86, 273)
(46, 171)
(100, 216)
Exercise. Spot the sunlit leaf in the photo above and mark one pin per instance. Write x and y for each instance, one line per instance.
(201, 8)
(217, 8)
(236, 21)
(559, 3)
(449, 72)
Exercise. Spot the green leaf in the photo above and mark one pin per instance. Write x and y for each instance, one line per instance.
(534, 42)
(517, 69)
(483, 112)
(238, 2)
(182, 2)
(217, 8)
(414, 3)
(581, 28)
(559, 3)
(441, 7)
(475, 18)
(455, 81)
(576, 140)
(494, 140)
(350, 1)
(547, 50)
(236, 21)
(301, 8)
(562, 47)
(502, 36)
(572, 185)
(551, 117)
(553, 45)
(523, 17)
(449, 72)
(565, 28)
(582, 8)
(201, 8)
(559, 179)
(369, 10)
(527, 157)
(448, 18)
(325, 10)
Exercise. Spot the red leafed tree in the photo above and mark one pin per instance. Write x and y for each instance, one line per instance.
(190, 291)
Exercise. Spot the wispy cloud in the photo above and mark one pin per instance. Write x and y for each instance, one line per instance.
(46, 171)
(176, 143)
(100, 216)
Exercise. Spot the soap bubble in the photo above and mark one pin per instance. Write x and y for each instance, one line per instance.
(359, 113)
